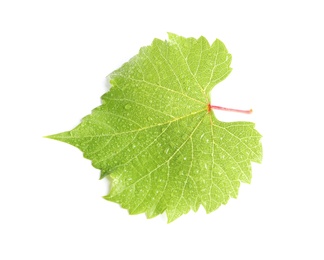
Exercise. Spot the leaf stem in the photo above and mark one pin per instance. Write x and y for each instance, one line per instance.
(228, 109)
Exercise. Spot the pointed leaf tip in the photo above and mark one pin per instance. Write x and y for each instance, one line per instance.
(60, 136)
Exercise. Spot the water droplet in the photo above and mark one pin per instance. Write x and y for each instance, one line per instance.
(128, 106)
(185, 158)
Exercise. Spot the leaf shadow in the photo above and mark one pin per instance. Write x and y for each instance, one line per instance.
(107, 84)
(109, 184)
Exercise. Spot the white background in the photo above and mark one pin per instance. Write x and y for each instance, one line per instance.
(54, 56)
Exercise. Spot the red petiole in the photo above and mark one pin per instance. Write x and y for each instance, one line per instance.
(229, 109)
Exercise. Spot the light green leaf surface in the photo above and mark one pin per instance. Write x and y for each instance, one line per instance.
(157, 140)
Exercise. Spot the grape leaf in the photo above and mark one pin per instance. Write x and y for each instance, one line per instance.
(157, 139)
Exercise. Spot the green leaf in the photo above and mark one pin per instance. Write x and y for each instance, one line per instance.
(155, 137)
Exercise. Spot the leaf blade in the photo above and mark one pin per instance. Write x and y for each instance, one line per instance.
(156, 138)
